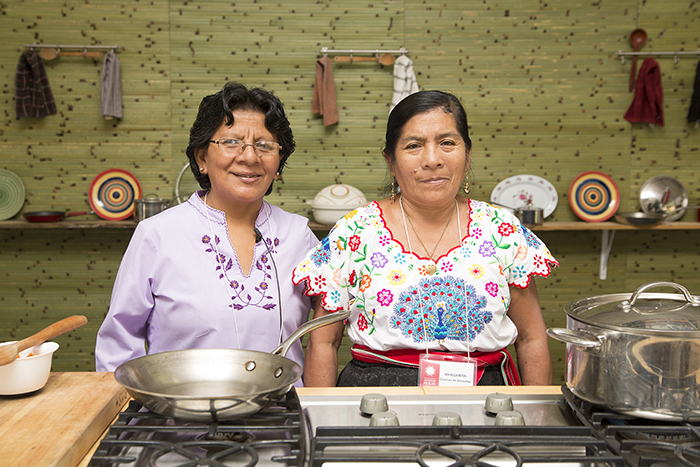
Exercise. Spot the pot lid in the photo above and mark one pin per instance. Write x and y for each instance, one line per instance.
(639, 311)
(339, 196)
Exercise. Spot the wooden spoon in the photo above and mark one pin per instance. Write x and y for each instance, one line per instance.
(386, 59)
(48, 53)
(637, 40)
(8, 352)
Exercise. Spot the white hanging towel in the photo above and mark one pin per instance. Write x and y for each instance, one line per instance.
(405, 82)
(111, 103)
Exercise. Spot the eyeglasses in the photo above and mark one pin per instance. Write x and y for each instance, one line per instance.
(261, 148)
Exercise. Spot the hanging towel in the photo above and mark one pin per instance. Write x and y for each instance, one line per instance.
(111, 103)
(405, 82)
(324, 102)
(694, 110)
(33, 96)
(647, 104)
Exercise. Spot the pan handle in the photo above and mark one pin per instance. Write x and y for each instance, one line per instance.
(308, 327)
(576, 337)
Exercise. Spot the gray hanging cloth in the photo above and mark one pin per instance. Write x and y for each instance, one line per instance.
(33, 96)
(111, 103)
(694, 110)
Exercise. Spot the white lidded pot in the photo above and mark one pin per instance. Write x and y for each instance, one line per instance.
(334, 201)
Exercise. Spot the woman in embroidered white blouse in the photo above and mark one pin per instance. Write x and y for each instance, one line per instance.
(428, 269)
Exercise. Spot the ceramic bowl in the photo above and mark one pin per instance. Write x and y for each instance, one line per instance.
(29, 372)
(334, 201)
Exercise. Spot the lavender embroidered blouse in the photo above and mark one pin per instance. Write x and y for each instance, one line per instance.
(396, 304)
(170, 292)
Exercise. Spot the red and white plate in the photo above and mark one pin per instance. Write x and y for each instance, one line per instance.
(526, 191)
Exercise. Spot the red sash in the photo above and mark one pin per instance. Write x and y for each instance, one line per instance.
(411, 358)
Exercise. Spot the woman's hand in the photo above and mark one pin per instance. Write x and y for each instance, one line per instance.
(531, 346)
(321, 361)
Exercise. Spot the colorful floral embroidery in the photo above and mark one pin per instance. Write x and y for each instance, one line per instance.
(396, 277)
(385, 297)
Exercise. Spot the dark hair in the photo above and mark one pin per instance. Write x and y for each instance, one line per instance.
(218, 108)
(418, 103)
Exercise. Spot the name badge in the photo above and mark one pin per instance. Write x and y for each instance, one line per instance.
(447, 370)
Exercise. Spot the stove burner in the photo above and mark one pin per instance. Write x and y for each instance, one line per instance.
(475, 460)
(641, 442)
(275, 436)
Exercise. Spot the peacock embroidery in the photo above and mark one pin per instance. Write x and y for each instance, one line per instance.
(440, 308)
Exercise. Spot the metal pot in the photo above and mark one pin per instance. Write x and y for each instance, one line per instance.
(637, 354)
(149, 206)
(530, 216)
(215, 384)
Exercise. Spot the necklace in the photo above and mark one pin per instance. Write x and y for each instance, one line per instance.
(431, 267)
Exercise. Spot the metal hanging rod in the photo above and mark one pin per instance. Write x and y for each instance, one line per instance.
(623, 55)
(63, 46)
(326, 50)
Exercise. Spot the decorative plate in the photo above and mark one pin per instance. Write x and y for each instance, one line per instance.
(594, 196)
(112, 194)
(11, 194)
(520, 190)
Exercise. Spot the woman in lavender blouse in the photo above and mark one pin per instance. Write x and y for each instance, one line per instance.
(215, 271)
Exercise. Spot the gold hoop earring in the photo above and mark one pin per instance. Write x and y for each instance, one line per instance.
(393, 193)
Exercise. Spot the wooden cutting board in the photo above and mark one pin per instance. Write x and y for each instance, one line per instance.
(58, 424)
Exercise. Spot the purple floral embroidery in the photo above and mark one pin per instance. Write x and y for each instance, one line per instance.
(491, 288)
(241, 298)
(487, 249)
(378, 260)
(385, 297)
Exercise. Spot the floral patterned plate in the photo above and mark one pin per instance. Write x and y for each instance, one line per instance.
(526, 191)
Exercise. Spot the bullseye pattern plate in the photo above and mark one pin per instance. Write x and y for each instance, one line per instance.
(594, 196)
(112, 194)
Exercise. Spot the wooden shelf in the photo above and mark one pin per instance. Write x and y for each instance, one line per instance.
(69, 224)
(580, 225)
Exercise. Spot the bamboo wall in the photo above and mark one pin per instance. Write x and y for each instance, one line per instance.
(543, 88)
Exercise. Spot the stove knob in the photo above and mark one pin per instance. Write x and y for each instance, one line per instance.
(446, 418)
(497, 402)
(510, 417)
(384, 419)
(373, 403)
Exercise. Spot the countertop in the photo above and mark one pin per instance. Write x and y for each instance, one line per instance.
(61, 425)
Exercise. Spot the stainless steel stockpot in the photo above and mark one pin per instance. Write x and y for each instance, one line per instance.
(637, 354)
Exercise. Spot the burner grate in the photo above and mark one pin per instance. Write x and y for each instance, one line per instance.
(460, 445)
(274, 436)
(639, 441)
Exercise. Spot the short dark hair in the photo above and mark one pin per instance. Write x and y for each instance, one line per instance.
(218, 108)
(418, 103)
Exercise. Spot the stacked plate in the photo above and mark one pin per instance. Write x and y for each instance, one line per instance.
(11, 194)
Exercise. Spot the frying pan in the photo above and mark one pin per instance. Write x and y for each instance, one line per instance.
(51, 216)
(215, 384)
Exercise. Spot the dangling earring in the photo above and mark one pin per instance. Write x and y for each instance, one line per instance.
(393, 193)
(466, 185)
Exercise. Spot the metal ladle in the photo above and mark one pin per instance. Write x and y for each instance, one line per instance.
(637, 40)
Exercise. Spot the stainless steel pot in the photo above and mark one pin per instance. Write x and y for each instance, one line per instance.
(530, 216)
(149, 206)
(637, 354)
(215, 384)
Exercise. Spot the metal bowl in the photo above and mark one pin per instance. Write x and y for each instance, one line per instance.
(662, 194)
(640, 219)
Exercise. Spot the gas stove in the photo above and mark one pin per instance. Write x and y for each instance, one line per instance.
(406, 427)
